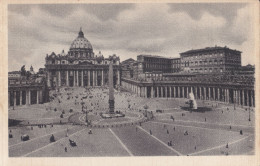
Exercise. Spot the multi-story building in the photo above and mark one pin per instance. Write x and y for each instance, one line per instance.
(213, 73)
(80, 66)
(211, 60)
(175, 65)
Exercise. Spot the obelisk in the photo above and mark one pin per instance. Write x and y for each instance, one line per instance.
(111, 100)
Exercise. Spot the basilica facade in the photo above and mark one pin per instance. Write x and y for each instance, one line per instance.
(80, 66)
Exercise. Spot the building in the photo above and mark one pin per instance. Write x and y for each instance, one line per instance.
(175, 65)
(211, 60)
(128, 68)
(80, 66)
(23, 91)
(14, 75)
(213, 73)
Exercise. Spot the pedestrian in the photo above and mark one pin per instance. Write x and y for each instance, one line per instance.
(230, 127)
(195, 148)
(227, 145)
(31, 128)
(150, 132)
(65, 149)
(174, 128)
(205, 119)
(167, 131)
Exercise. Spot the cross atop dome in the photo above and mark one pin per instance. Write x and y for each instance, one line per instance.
(81, 34)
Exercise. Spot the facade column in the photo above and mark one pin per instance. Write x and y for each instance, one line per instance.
(187, 92)
(218, 95)
(152, 93)
(29, 97)
(96, 72)
(243, 97)
(102, 77)
(247, 100)
(77, 73)
(174, 91)
(183, 92)
(59, 81)
(21, 98)
(161, 91)
(213, 93)
(157, 88)
(228, 98)
(67, 78)
(74, 78)
(238, 97)
(145, 92)
(205, 94)
(196, 92)
(88, 77)
(82, 78)
(179, 92)
(93, 77)
(209, 93)
(200, 92)
(170, 88)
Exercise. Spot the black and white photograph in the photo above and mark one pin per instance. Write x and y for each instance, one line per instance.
(132, 79)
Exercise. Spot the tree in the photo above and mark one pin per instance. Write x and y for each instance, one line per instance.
(23, 71)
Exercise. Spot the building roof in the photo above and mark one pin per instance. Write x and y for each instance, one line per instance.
(128, 60)
(154, 56)
(14, 72)
(209, 49)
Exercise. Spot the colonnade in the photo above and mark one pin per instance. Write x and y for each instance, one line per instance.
(24, 97)
(92, 77)
(239, 96)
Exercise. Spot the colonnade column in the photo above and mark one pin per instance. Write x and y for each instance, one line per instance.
(14, 98)
(88, 77)
(59, 78)
(48, 79)
(67, 78)
(118, 75)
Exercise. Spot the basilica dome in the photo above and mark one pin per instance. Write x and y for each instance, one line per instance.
(81, 47)
(81, 42)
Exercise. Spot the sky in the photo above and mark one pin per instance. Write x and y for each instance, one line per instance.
(127, 30)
